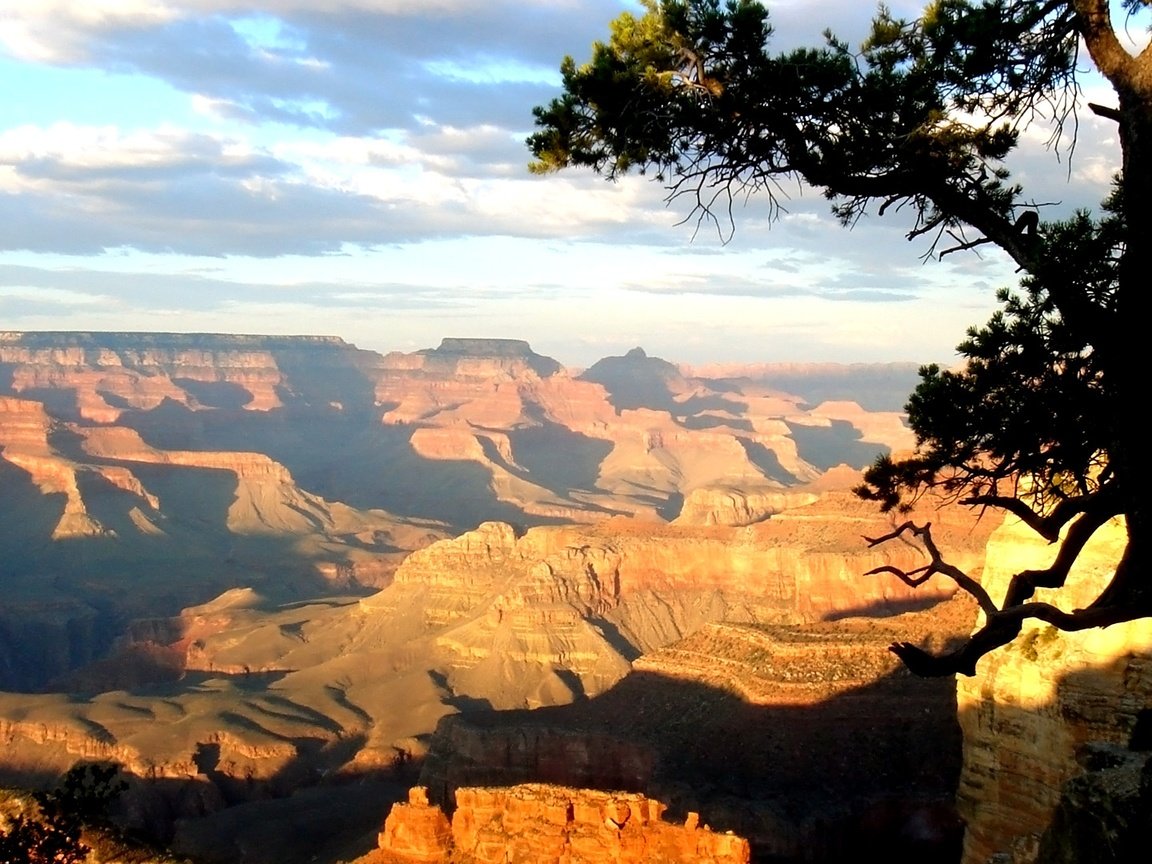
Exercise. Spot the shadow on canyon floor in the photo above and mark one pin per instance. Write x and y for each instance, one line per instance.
(67, 599)
(873, 767)
(334, 453)
(297, 816)
(887, 608)
(826, 447)
(805, 782)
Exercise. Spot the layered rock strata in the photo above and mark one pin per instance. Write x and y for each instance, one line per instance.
(808, 740)
(548, 825)
(1035, 704)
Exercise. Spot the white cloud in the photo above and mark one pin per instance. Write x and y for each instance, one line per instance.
(369, 137)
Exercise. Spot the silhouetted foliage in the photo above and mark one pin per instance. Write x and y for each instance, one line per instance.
(1039, 422)
(81, 799)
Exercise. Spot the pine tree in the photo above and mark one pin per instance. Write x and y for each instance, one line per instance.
(1041, 420)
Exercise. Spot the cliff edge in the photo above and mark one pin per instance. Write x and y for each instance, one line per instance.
(548, 825)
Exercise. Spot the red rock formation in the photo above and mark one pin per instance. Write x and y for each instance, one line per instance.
(105, 373)
(416, 832)
(799, 566)
(179, 467)
(549, 825)
(493, 404)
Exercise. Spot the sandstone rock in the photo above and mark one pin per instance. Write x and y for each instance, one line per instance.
(1104, 814)
(417, 831)
(493, 412)
(550, 825)
(141, 370)
(1033, 704)
(737, 507)
(878, 386)
(157, 471)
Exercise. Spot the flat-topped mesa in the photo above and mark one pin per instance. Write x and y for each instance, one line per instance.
(485, 347)
(548, 824)
(128, 340)
(108, 372)
(476, 358)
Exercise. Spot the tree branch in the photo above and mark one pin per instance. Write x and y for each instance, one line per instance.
(1025, 583)
(937, 565)
(908, 577)
(1048, 526)
(971, 244)
(1105, 112)
(1002, 629)
(1110, 57)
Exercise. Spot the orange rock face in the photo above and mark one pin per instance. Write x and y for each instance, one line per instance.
(549, 825)
(473, 430)
(416, 832)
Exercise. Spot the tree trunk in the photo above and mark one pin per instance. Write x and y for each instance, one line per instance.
(1127, 353)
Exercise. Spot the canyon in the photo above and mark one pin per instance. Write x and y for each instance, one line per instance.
(282, 580)
(151, 472)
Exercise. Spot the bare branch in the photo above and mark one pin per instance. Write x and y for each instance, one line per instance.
(937, 565)
(907, 577)
(1002, 629)
(971, 244)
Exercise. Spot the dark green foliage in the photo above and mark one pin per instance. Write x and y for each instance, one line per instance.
(1039, 422)
(1032, 402)
(691, 92)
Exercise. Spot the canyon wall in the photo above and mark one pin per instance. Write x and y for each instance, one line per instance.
(463, 433)
(203, 550)
(810, 740)
(1035, 705)
(258, 695)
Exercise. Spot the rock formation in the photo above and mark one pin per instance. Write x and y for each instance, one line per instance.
(737, 507)
(273, 694)
(548, 825)
(1036, 704)
(461, 433)
(809, 740)
(877, 386)
(1104, 814)
(180, 510)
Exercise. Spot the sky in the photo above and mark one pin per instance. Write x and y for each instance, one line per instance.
(357, 168)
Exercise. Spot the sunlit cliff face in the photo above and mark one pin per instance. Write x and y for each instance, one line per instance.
(500, 534)
(1033, 706)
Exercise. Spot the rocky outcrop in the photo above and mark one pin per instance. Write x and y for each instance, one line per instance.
(877, 386)
(549, 825)
(1105, 814)
(1036, 703)
(415, 832)
(800, 566)
(879, 427)
(143, 475)
(97, 376)
(734, 720)
(737, 507)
